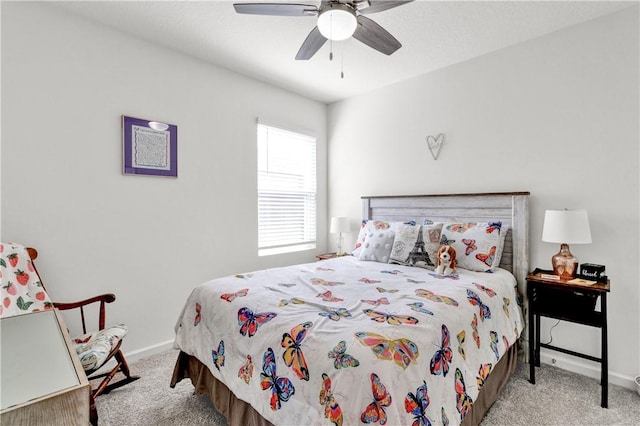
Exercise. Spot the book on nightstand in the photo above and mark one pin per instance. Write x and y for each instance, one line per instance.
(581, 281)
(550, 276)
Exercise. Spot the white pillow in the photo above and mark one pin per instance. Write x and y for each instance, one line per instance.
(417, 245)
(367, 227)
(377, 244)
(405, 242)
(430, 238)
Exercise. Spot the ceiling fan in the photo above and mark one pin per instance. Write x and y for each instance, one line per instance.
(337, 20)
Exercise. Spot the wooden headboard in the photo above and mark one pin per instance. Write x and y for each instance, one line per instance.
(512, 208)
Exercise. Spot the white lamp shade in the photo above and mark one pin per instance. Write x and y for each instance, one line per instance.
(339, 225)
(337, 23)
(566, 226)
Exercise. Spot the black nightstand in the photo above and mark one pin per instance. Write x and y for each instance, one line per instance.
(566, 301)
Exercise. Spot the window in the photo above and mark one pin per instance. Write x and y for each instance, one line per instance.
(286, 191)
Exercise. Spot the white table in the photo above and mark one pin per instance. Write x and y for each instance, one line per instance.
(41, 379)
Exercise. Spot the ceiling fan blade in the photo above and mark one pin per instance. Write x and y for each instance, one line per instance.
(276, 9)
(311, 45)
(376, 37)
(380, 5)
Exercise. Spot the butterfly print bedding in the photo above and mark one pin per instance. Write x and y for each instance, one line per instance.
(390, 318)
(249, 322)
(463, 400)
(402, 351)
(375, 411)
(441, 359)
(341, 359)
(281, 387)
(336, 314)
(218, 355)
(332, 410)
(293, 356)
(380, 301)
(353, 342)
(198, 316)
(418, 307)
(293, 300)
(417, 405)
(230, 297)
(246, 370)
(327, 296)
(474, 299)
(483, 373)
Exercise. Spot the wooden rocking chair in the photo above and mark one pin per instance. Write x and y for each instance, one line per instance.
(96, 348)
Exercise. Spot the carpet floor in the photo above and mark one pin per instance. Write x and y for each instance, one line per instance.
(559, 398)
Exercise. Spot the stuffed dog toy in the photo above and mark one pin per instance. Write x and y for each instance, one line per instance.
(446, 261)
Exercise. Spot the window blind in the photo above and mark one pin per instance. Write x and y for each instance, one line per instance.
(286, 190)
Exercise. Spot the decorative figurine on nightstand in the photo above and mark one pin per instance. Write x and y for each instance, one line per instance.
(446, 260)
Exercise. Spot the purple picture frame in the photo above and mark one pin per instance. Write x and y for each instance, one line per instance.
(149, 148)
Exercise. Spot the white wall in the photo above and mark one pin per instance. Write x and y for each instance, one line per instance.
(564, 106)
(556, 116)
(65, 84)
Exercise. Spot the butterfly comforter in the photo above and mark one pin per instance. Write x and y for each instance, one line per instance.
(347, 341)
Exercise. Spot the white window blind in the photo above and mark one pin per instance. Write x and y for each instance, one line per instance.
(286, 191)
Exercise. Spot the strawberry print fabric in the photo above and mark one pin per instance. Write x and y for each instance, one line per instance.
(22, 291)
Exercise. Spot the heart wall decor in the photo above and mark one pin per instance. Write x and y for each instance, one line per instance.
(435, 143)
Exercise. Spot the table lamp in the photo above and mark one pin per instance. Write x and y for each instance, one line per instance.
(339, 225)
(566, 227)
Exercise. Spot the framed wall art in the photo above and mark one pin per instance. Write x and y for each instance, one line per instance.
(149, 147)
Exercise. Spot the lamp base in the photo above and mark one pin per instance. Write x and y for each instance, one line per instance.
(564, 263)
(340, 241)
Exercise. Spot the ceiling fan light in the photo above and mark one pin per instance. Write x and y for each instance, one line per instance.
(337, 22)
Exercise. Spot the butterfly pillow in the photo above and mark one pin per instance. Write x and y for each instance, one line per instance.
(360, 240)
(478, 245)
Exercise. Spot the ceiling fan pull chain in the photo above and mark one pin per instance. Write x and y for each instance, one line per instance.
(342, 64)
(331, 50)
(331, 38)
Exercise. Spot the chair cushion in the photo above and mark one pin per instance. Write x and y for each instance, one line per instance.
(93, 348)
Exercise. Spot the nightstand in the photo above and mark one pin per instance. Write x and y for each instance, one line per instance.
(326, 256)
(566, 301)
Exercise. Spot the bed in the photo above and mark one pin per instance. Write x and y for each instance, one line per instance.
(354, 339)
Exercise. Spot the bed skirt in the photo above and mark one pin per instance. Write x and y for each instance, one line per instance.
(239, 413)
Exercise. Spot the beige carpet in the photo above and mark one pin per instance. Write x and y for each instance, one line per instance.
(558, 398)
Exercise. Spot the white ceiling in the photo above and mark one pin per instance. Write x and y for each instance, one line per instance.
(434, 34)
